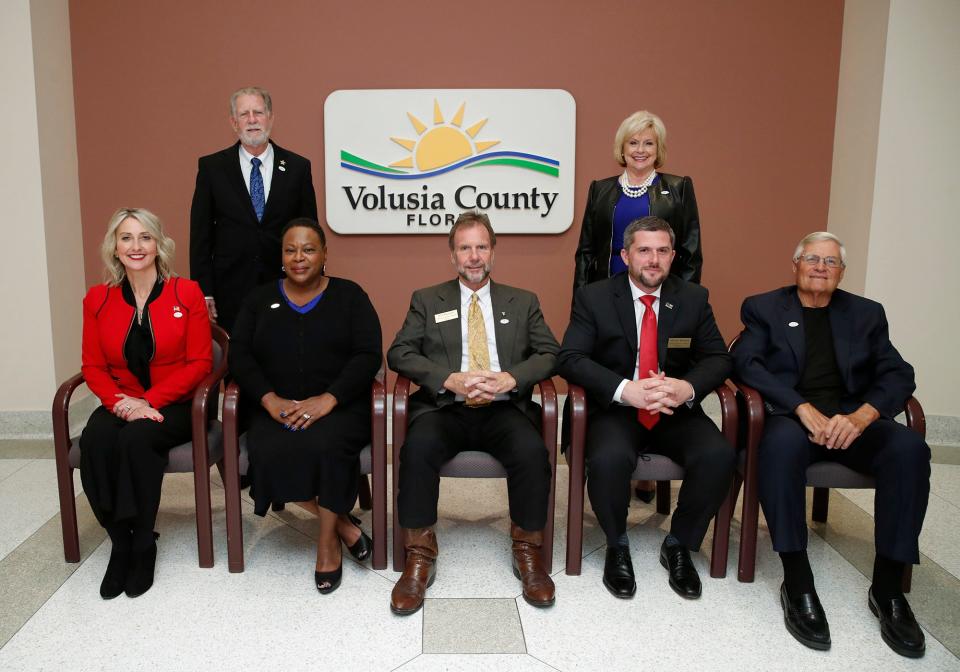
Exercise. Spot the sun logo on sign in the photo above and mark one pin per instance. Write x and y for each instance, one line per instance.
(442, 145)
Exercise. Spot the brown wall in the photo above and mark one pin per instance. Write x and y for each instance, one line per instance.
(747, 89)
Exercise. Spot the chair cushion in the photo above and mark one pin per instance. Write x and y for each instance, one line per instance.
(180, 457)
(473, 464)
(657, 468)
(833, 475)
(366, 459)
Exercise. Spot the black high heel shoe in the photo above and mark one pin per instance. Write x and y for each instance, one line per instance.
(363, 545)
(140, 574)
(115, 577)
(327, 582)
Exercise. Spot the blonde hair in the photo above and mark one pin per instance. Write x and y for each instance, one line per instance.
(635, 123)
(114, 271)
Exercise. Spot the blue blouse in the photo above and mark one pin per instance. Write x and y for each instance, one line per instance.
(625, 211)
(300, 309)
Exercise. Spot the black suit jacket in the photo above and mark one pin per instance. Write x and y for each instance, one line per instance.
(599, 349)
(230, 251)
(771, 352)
(427, 351)
(672, 199)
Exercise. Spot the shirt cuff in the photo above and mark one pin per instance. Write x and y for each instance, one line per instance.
(693, 396)
(616, 395)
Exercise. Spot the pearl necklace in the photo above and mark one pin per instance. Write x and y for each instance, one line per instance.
(635, 192)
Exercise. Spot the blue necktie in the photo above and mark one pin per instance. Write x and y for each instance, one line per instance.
(256, 188)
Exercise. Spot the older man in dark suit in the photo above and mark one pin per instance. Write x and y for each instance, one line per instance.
(245, 195)
(832, 383)
(646, 347)
(476, 349)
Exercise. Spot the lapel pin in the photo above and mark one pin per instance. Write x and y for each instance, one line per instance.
(668, 305)
(274, 305)
(793, 324)
(282, 169)
(665, 193)
(283, 162)
(176, 312)
(504, 321)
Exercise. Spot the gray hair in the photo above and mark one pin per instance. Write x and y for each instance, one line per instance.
(648, 223)
(114, 270)
(251, 91)
(817, 236)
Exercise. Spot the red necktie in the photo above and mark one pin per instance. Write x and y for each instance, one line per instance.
(647, 354)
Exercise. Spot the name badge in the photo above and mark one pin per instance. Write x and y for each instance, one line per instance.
(679, 342)
(444, 317)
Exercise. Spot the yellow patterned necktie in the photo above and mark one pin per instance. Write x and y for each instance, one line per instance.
(477, 352)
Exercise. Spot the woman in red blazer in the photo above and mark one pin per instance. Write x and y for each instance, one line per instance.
(146, 347)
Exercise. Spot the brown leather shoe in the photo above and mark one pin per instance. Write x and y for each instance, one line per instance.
(419, 572)
(538, 588)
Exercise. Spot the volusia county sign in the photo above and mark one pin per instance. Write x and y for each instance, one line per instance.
(409, 161)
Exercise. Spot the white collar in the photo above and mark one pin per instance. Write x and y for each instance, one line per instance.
(483, 294)
(247, 157)
(637, 293)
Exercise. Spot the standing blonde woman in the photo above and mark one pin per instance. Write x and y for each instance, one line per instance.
(146, 347)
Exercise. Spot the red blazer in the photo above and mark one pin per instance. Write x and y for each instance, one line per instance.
(183, 353)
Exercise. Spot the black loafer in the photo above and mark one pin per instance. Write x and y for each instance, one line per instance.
(683, 575)
(805, 619)
(115, 577)
(618, 572)
(898, 627)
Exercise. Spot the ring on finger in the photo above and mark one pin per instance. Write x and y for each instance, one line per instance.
(306, 416)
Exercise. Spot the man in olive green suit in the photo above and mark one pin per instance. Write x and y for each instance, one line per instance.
(476, 349)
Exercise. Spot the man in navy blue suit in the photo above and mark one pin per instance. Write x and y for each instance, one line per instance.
(832, 383)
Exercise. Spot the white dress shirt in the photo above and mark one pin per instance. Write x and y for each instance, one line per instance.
(638, 310)
(266, 168)
(486, 308)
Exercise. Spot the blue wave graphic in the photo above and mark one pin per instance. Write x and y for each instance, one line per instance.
(447, 169)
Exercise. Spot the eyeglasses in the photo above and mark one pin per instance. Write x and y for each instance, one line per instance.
(814, 260)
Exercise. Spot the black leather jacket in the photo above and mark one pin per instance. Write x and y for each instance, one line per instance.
(672, 199)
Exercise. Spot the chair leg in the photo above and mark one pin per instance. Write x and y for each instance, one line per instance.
(363, 493)
(68, 513)
(821, 504)
(721, 532)
(663, 497)
(201, 485)
(907, 579)
(575, 517)
(750, 514)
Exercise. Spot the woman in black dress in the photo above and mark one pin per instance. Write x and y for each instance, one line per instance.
(304, 350)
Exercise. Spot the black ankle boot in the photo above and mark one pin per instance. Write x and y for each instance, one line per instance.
(140, 573)
(116, 576)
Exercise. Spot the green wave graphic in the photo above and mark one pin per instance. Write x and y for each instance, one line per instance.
(520, 163)
(356, 160)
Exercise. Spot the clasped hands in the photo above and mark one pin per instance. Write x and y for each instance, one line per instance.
(839, 431)
(296, 415)
(657, 393)
(133, 408)
(481, 384)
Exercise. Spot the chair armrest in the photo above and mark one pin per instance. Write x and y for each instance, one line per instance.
(729, 415)
(401, 397)
(916, 420)
(548, 413)
(752, 414)
(577, 398)
(205, 396)
(61, 416)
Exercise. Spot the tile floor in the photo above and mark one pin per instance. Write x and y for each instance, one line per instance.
(271, 617)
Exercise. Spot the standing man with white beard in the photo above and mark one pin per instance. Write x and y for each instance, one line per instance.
(245, 194)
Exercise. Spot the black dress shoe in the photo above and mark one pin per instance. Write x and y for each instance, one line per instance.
(805, 619)
(140, 573)
(327, 582)
(116, 576)
(683, 575)
(618, 572)
(362, 547)
(898, 627)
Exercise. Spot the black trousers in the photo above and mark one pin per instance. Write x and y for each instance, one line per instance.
(615, 440)
(122, 464)
(896, 456)
(500, 429)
